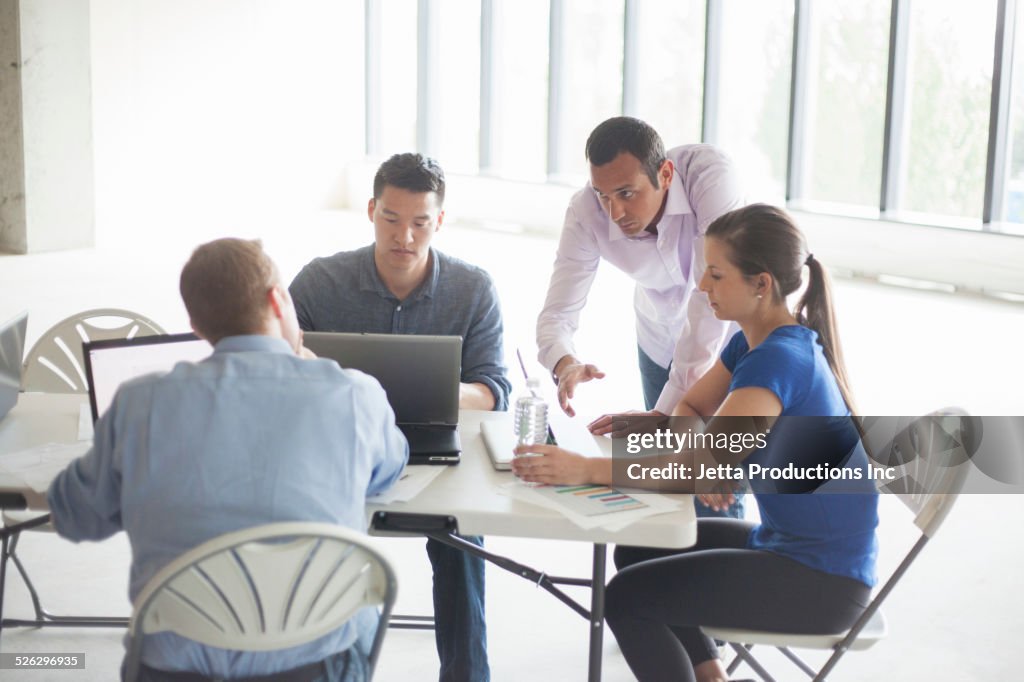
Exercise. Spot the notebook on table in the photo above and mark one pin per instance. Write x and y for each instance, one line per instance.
(12, 349)
(420, 375)
(111, 362)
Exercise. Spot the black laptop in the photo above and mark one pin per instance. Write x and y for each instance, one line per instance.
(420, 375)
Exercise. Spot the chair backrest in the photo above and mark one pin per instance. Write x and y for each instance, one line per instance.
(931, 455)
(54, 365)
(932, 458)
(265, 588)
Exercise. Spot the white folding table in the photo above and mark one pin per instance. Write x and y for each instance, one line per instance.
(461, 501)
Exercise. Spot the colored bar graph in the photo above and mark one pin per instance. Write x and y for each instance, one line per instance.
(591, 500)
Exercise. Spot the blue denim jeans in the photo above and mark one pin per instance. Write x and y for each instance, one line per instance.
(351, 665)
(653, 377)
(459, 627)
(346, 666)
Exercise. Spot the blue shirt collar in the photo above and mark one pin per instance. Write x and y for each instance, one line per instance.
(252, 342)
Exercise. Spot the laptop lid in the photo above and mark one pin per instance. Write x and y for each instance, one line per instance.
(111, 362)
(12, 350)
(419, 373)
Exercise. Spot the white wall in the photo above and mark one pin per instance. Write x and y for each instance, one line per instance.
(222, 117)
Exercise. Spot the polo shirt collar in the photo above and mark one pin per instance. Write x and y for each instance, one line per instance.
(676, 204)
(369, 278)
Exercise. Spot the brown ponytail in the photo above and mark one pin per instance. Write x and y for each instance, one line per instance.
(817, 311)
(763, 238)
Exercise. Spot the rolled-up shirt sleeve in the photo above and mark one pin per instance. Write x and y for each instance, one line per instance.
(713, 190)
(483, 349)
(575, 267)
(85, 498)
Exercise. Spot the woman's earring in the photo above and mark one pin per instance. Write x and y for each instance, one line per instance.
(760, 296)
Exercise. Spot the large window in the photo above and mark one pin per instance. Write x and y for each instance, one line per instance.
(669, 71)
(589, 81)
(895, 108)
(395, 86)
(846, 84)
(949, 89)
(457, 97)
(1013, 206)
(753, 109)
(519, 107)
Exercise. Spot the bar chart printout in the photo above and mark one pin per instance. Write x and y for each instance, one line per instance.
(590, 500)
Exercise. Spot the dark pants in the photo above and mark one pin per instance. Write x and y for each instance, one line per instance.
(654, 377)
(658, 600)
(459, 627)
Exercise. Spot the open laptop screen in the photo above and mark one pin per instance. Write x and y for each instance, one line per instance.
(110, 363)
(12, 348)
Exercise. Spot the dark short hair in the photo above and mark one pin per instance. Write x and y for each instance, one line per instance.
(224, 286)
(627, 134)
(412, 172)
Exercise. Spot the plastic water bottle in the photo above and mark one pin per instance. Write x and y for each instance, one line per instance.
(531, 417)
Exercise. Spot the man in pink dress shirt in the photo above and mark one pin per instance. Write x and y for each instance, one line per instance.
(644, 211)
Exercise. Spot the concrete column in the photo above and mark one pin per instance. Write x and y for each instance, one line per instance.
(46, 157)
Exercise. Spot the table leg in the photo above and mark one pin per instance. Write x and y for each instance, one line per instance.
(597, 613)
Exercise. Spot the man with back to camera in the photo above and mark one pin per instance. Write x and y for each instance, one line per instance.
(256, 433)
(645, 212)
(400, 284)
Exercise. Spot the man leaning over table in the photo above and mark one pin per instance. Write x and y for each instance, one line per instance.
(401, 284)
(259, 432)
(644, 211)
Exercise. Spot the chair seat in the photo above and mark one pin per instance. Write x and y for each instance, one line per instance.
(875, 630)
(11, 518)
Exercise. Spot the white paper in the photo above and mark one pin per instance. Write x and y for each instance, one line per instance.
(38, 466)
(85, 422)
(615, 521)
(413, 480)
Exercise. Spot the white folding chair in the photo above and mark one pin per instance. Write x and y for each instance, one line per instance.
(55, 365)
(265, 588)
(930, 456)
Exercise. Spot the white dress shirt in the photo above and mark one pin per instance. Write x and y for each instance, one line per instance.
(674, 322)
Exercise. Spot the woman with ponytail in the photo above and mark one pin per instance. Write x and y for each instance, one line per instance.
(809, 566)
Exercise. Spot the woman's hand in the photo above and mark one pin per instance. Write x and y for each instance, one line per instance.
(551, 465)
(717, 501)
(621, 424)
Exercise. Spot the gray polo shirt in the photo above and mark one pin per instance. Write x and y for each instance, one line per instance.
(344, 293)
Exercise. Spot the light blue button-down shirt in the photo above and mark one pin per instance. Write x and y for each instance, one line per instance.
(251, 435)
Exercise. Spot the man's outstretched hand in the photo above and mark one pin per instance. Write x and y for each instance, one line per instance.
(568, 377)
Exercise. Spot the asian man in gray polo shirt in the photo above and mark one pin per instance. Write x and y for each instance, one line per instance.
(401, 284)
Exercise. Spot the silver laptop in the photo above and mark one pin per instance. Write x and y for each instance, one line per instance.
(111, 362)
(567, 432)
(12, 350)
(420, 375)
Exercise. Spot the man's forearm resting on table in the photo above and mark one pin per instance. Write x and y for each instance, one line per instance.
(476, 396)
